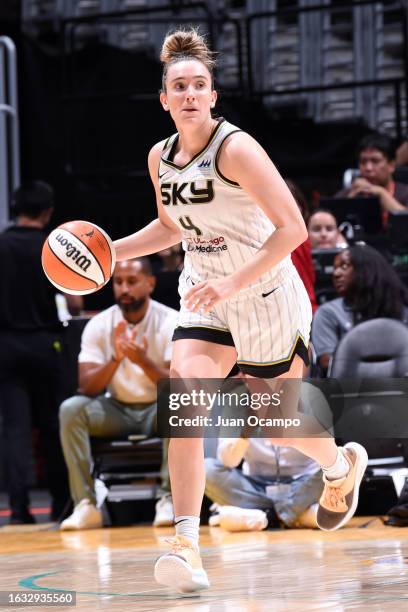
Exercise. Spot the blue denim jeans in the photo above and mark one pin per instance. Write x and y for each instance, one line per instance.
(230, 487)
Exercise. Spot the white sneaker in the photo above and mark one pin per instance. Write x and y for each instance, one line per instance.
(164, 516)
(181, 568)
(214, 520)
(233, 518)
(308, 518)
(84, 516)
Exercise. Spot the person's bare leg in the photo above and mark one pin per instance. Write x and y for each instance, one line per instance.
(187, 475)
(323, 450)
(193, 359)
(181, 568)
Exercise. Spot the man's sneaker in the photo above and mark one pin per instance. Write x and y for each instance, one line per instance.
(233, 518)
(84, 516)
(340, 497)
(181, 568)
(164, 516)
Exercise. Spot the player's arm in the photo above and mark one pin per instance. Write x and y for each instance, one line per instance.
(157, 235)
(244, 161)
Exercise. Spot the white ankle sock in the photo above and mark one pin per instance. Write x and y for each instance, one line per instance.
(339, 469)
(188, 527)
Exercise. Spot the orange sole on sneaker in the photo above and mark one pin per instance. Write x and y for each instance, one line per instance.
(173, 572)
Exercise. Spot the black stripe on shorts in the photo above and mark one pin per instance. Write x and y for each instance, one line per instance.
(276, 369)
(217, 336)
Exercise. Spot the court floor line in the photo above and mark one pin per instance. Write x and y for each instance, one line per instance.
(30, 582)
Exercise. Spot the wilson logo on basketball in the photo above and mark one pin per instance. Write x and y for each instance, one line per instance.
(74, 253)
(78, 257)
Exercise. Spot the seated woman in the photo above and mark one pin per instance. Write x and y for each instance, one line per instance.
(368, 288)
(323, 231)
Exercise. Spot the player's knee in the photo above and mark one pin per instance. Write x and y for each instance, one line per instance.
(70, 409)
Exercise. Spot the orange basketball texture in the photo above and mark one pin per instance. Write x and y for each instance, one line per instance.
(78, 257)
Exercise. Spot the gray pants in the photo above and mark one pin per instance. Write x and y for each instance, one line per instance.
(230, 487)
(82, 417)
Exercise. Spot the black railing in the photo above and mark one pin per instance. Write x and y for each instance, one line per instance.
(68, 27)
(162, 15)
(397, 83)
(245, 85)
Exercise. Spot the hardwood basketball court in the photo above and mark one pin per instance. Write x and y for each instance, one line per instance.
(360, 567)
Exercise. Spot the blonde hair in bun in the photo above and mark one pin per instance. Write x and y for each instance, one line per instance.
(185, 45)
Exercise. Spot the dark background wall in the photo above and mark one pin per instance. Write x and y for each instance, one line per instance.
(89, 118)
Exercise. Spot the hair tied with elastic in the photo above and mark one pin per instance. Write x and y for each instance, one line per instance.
(186, 45)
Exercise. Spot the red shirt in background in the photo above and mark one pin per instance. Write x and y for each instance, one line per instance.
(302, 260)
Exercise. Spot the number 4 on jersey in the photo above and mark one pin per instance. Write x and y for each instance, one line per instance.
(189, 225)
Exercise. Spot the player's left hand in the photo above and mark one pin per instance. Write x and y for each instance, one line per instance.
(204, 296)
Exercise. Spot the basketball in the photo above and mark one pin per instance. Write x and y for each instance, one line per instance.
(78, 257)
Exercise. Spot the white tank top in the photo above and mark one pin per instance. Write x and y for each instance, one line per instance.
(221, 226)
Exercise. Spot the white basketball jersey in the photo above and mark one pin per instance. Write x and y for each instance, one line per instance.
(221, 226)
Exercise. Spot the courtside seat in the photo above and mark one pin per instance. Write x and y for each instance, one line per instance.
(130, 472)
(373, 349)
(127, 457)
(371, 363)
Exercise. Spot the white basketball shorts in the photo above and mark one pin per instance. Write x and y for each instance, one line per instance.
(268, 328)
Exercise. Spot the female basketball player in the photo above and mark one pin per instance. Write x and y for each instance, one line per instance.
(242, 300)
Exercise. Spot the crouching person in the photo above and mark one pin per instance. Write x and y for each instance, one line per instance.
(277, 486)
